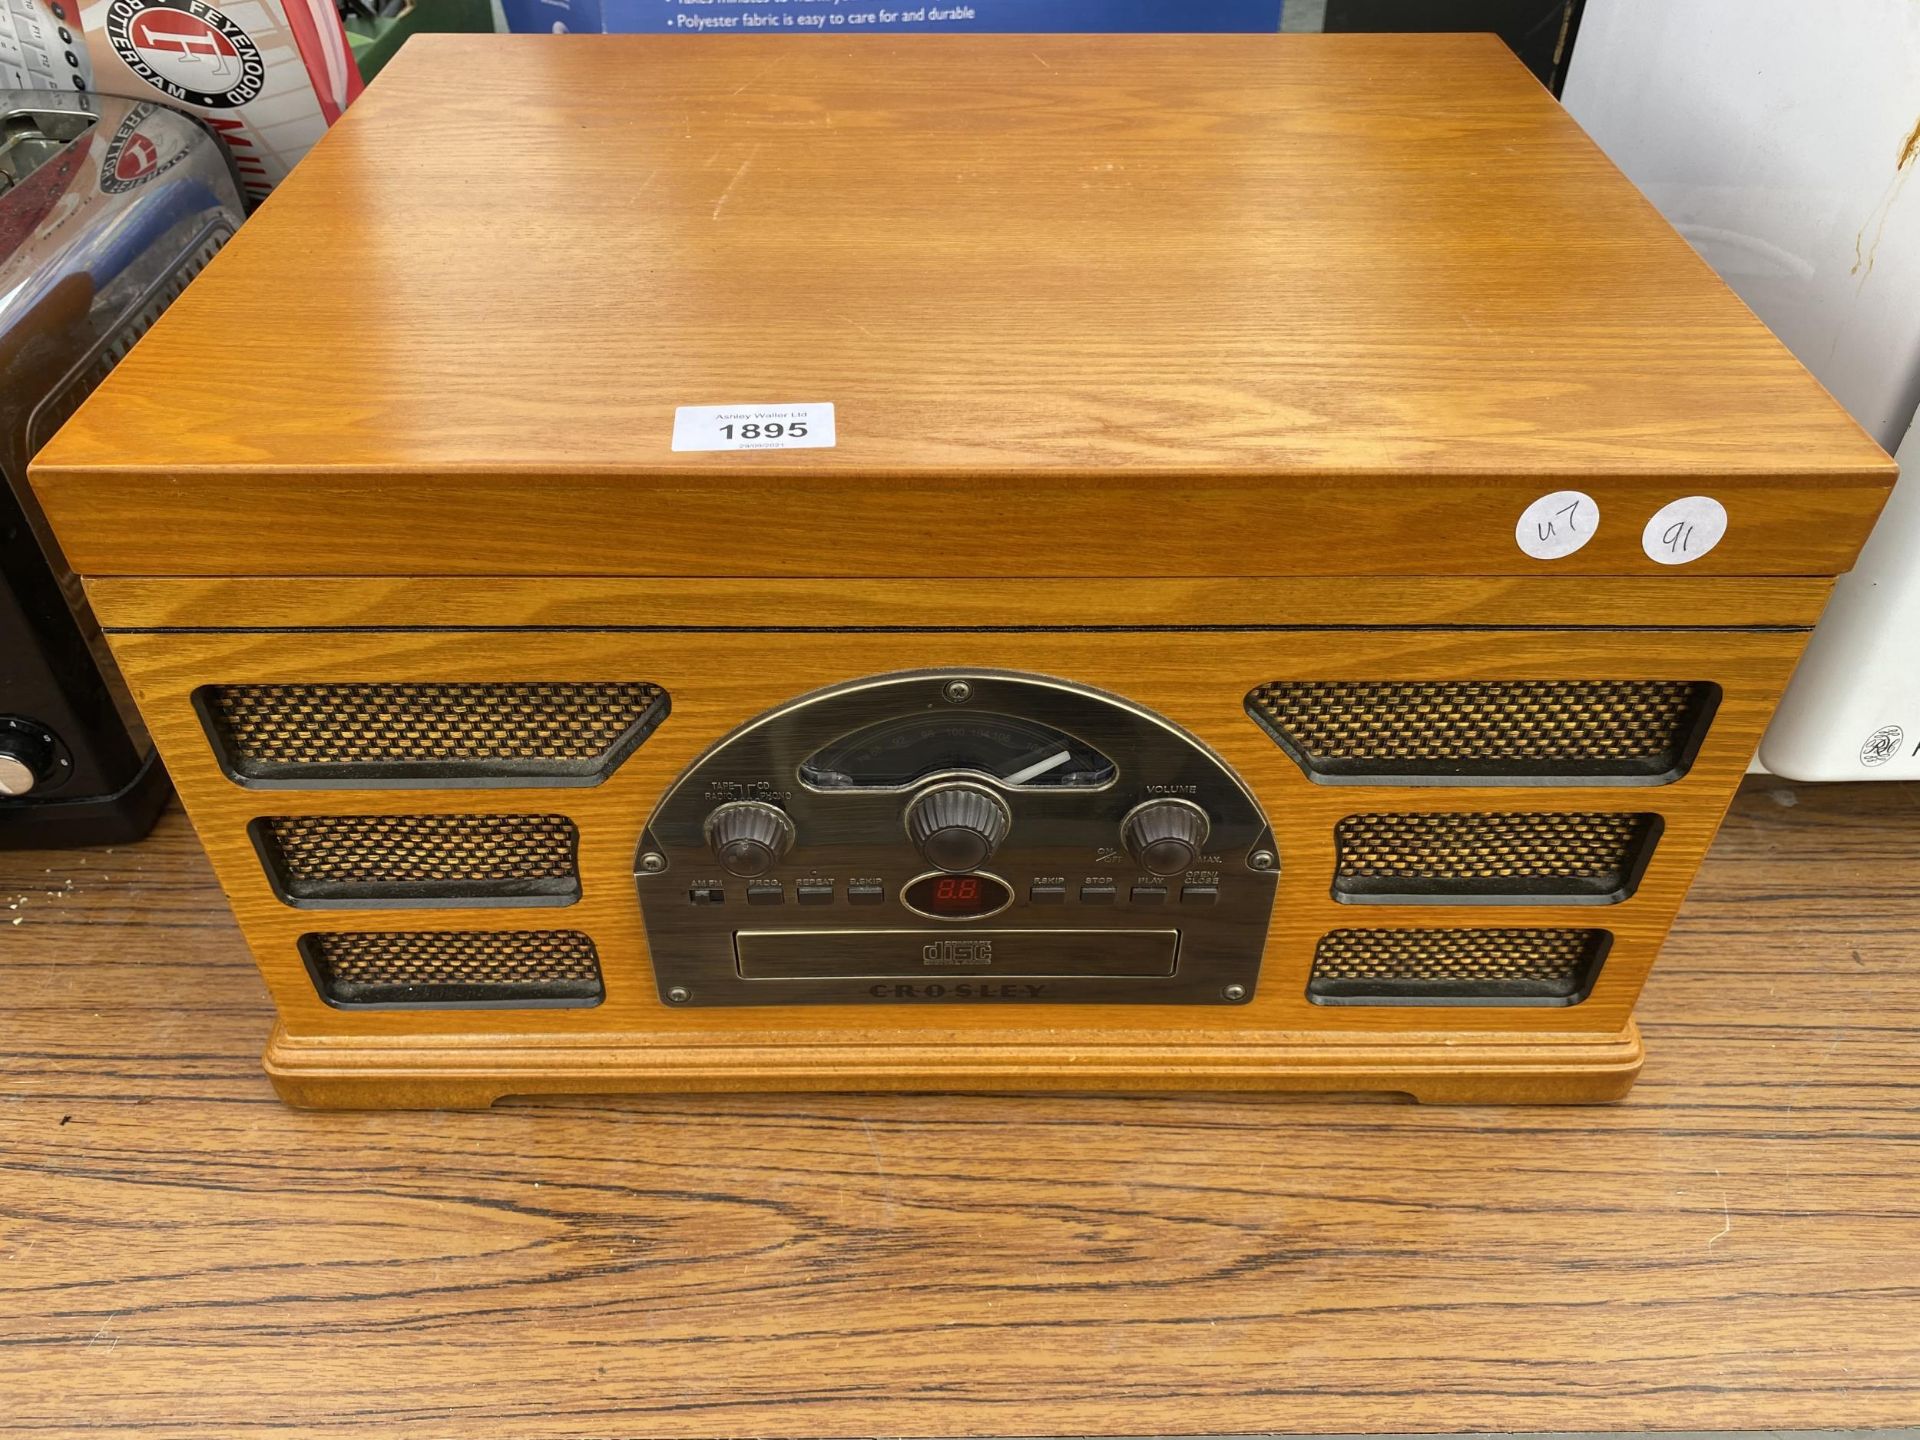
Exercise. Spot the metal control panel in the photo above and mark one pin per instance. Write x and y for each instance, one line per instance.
(957, 837)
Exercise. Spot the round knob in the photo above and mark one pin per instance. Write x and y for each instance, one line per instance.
(747, 836)
(1165, 836)
(957, 826)
(26, 758)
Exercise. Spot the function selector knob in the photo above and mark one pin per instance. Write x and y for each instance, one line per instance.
(26, 758)
(1165, 837)
(957, 827)
(748, 836)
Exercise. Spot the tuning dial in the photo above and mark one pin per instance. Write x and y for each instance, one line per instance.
(1165, 837)
(956, 827)
(26, 757)
(747, 836)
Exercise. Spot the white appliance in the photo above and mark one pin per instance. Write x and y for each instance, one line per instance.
(1783, 140)
(1853, 709)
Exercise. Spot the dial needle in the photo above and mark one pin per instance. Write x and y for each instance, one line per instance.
(1038, 767)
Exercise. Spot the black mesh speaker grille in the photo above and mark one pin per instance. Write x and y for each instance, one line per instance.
(1528, 732)
(420, 859)
(1456, 967)
(1578, 858)
(564, 732)
(107, 352)
(456, 969)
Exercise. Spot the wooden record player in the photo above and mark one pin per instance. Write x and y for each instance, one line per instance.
(1228, 561)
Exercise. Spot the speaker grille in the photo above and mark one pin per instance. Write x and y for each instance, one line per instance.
(428, 734)
(1526, 732)
(319, 860)
(1584, 858)
(108, 351)
(459, 969)
(1456, 967)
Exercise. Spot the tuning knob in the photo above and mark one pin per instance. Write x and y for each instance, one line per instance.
(26, 757)
(747, 836)
(1165, 837)
(956, 827)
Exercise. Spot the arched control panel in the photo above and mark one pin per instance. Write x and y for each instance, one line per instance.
(957, 837)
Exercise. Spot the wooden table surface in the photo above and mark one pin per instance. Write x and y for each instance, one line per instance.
(1737, 1245)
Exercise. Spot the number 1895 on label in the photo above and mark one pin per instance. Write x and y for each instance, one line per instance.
(753, 427)
(770, 430)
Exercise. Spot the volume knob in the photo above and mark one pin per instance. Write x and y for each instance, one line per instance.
(748, 836)
(26, 757)
(1165, 837)
(957, 827)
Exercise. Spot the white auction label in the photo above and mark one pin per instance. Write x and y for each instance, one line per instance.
(1556, 525)
(1681, 531)
(753, 427)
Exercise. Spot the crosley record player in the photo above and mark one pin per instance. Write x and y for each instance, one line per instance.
(1048, 562)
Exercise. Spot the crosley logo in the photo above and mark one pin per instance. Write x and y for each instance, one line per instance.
(958, 952)
(960, 990)
(134, 157)
(187, 51)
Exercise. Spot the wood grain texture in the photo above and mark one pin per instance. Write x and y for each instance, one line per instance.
(261, 602)
(1730, 1247)
(719, 681)
(1087, 305)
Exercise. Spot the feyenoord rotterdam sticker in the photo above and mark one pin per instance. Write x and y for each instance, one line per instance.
(134, 157)
(188, 51)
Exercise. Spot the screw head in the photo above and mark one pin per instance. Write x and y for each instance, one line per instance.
(1261, 860)
(653, 862)
(1235, 992)
(958, 692)
(679, 994)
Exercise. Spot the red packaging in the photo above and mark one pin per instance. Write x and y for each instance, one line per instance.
(268, 75)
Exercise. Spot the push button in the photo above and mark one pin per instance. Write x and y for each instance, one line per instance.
(1047, 894)
(1199, 894)
(765, 892)
(866, 892)
(1097, 894)
(813, 892)
(1149, 895)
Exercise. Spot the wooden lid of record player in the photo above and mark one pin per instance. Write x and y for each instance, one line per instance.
(1085, 305)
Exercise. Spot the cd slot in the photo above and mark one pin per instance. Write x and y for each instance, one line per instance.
(949, 953)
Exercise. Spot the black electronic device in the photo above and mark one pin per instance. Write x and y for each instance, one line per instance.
(107, 209)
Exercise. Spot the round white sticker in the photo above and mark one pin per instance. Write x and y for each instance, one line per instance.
(1681, 531)
(1556, 525)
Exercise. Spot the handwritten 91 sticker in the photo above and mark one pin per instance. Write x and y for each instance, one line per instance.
(753, 427)
(1556, 525)
(1681, 531)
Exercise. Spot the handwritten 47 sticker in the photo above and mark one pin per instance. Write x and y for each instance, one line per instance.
(1556, 525)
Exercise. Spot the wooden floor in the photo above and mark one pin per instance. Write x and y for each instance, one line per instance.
(1738, 1245)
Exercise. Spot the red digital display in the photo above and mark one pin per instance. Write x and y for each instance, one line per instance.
(957, 897)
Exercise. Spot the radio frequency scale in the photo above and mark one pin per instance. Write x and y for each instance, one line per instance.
(1076, 562)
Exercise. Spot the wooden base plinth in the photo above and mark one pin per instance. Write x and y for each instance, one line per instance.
(465, 1072)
